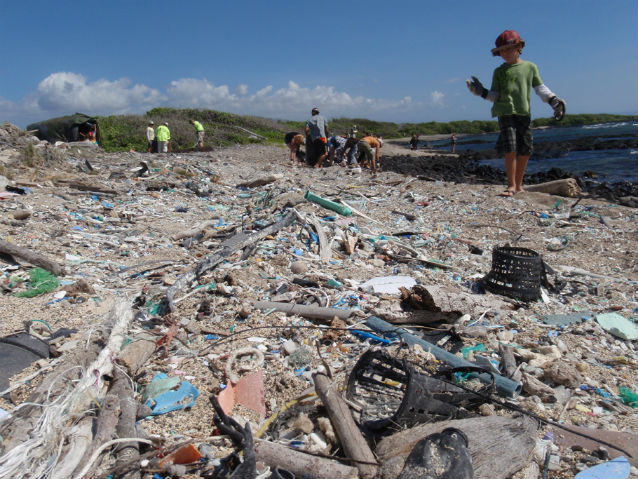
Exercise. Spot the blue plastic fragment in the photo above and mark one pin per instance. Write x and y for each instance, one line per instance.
(211, 337)
(370, 336)
(169, 401)
(618, 468)
(298, 252)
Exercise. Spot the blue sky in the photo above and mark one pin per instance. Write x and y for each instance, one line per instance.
(384, 60)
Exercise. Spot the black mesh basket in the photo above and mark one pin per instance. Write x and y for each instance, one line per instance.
(389, 393)
(516, 272)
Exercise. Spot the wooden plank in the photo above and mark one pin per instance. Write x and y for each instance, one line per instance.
(350, 437)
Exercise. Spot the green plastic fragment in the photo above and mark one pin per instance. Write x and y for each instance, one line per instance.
(41, 282)
(466, 350)
(159, 386)
(629, 397)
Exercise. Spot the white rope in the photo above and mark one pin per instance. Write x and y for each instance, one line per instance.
(38, 456)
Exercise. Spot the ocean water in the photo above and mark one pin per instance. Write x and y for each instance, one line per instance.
(610, 165)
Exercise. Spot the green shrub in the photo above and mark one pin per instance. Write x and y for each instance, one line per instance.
(128, 132)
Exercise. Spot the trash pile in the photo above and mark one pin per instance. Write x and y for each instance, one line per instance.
(224, 314)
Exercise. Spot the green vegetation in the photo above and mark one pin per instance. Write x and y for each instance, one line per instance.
(128, 132)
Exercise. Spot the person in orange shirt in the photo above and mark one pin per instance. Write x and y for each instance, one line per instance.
(365, 146)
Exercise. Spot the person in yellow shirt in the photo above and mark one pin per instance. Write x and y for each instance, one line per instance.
(163, 137)
(199, 132)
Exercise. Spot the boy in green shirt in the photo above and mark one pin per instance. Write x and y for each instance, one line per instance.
(512, 84)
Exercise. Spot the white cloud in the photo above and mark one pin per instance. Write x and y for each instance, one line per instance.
(70, 91)
(438, 98)
(66, 92)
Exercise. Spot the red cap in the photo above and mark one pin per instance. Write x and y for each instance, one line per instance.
(506, 39)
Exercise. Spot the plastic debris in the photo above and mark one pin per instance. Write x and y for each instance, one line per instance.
(618, 325)
(618, 468)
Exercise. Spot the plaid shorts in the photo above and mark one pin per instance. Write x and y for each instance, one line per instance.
(515, 135)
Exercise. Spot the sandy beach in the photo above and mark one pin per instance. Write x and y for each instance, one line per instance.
(125, 243)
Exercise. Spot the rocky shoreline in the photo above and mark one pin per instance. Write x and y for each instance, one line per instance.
(466, 167)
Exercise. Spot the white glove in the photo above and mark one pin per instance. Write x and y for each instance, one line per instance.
(558, 105)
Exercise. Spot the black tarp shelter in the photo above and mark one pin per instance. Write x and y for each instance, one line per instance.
(65, 128)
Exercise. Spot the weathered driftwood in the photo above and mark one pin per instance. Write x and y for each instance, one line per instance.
(349, 243)
(82, 186)
(350, 437)
(449, 303)
(324, 247)
(302, 464)
(228, 247)
(195, 230)
(534, 387)
(565, 187)
(264, 180)
(79, 442)
(508, 363)
(32, 258)
(136, 353)
(104, 427)
(129, 451)
(33, 434)
(500, 446)
(311, 312)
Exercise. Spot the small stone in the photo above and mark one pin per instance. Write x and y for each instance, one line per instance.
(193, 327)
(486, 409)
(563, 373)
(475, 332)
(21, 214)
(298, 267)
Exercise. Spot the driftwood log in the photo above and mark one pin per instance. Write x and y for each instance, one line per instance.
(311, 312)
(565, 187)
(508, 363)
(264, 180)
(500, 446)
(324, 247)
(449, 304)
(79, 442)
(129, 451)
(33, 434)
(105, 424)
(350, 437)
(83, 186)
(231, 245)
(302, 464)
(32, 258)
(195, 230)
(137, 352)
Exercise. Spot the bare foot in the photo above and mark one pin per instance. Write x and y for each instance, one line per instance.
(507, 193)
